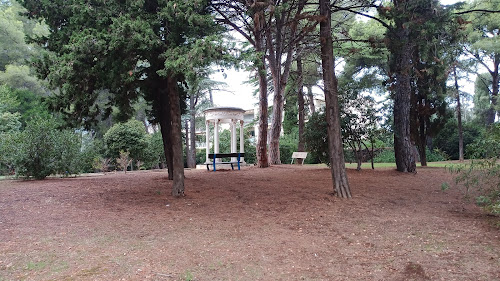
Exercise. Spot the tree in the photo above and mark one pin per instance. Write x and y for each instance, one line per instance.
(142, 48)
(272, 28)
(249, 19)
(483, 38)
(10, 119)
(336, 152)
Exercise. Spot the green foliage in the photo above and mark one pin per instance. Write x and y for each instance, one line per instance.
(447, 139)
(386, 156)
(288, 145)
(9, 118)
(41, 150)
(129, 136)
(481, 178)
(127, 48)
(154, 155)
(316, 138)
(20, 77)
(201, 156)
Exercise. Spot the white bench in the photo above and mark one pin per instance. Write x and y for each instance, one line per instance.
(299, 155)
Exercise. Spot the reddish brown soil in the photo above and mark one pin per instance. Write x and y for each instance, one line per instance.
(279, 223)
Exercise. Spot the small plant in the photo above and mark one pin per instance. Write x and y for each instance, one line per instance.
(124, 161)
(101, 164)
(139, 164)
(188, 276)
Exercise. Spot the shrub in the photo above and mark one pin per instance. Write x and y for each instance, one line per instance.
(41, 150)
(316, 138)
(130, 136)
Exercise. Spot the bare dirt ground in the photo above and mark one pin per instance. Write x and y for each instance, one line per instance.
(279, 223)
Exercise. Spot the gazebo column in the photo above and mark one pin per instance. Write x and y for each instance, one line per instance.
(216, 137)
(207, 130)
(242, 141)
(233, 139)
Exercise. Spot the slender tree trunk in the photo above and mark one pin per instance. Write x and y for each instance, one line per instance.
(494, 91)
(186, 140)
(423, 141)
(310, 97)
(262, 156)
(191, 152)
(165, 125)
(337, 164)
(300, 101)
(459, 118)
(177, 159)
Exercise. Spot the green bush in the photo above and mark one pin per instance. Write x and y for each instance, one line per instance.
(385, 156)
(41, 150)
(447, 138)
(154, 155)
(316, 138)
(129, 136)
(288, 144)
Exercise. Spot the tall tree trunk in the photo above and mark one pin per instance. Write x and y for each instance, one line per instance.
(494, 91)
(186, 140)
(337, 164)
(262, 157)
(310, 97)
(300, 101)
(164, 117)
(191, 153)
(176, 137)
(423, 141)
(402, 49)
(459, 118)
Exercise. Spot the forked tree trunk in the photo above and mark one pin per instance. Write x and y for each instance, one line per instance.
(262, 157)
(337, 164)
(276, 49)
(459, 118)
(300, 101)
(176, 137)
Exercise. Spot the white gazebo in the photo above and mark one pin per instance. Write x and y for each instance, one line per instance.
(229, 115)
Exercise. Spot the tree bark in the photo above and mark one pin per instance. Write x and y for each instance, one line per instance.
(492, 112)
(402, 49)
(310, 97)
(423, 141)
(459, 118)
(337, 164)
(191, 152)
(164, 117)
(262, 156)
(176, 137)
(300, 101)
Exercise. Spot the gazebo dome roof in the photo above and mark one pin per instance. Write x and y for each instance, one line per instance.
(224, 113)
